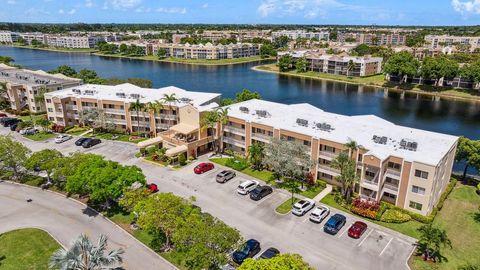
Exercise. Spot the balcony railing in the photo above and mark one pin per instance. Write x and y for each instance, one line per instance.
(328, 154)
(72, 107)
(392, 173)
(235, 130)
(261, 137)
(114, 111)
(390, 186)
(167, 116)
(328, 168)
(234, 141)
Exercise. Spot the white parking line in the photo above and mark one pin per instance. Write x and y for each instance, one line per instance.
(386, 246)
(366, 237)
(305, 220)
(345, 229)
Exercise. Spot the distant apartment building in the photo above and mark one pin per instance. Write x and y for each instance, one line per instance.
(74, 42)
(208, 50)
(177, 38)
(176, 125)
(248, 34)
(407, 167)
(23, 86)
(8, 37)
(379, 39)
(29, 37)
(214, 35)
(295, 34)
(440, 41)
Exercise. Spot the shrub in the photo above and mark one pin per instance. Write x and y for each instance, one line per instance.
(365, 208)
(383, 207)
(24, 113)
(395, 216)
(445, 194)
(237, 163)
(181, 159)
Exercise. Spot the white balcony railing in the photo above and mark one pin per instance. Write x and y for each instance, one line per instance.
(234, 130)
(390, 186)
(167, 116)
(261, 137)
(392, 173)
(114, 111)
(234, 141)
(330, 155)
(328, 168)
(72, 107)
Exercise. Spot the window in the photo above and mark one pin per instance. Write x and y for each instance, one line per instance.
(51, 118)
(418, 190)
(50, 110)
(306, 143)
(421, 174)
(49, 100)
(393, 165)
(360, 157)
(415, 205)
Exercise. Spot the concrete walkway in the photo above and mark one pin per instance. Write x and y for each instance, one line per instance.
(323, 193)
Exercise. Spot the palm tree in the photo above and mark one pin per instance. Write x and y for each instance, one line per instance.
(352, 147)
(431, 240)
(137, 106)
(169, 99)
(223, 120)
(256, 155)
(153, 108)
(83, 255)
(350, 67)
(347, 177)
(209, 121)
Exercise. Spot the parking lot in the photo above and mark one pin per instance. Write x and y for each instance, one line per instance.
(378, 248)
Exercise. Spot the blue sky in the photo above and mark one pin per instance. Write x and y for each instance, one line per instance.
(391, 12)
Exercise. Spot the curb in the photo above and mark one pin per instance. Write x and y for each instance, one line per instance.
(38, 228)
(100, 214)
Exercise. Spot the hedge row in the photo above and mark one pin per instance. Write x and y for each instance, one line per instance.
(395, 216)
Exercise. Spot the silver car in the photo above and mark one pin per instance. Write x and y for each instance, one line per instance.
(225, 176)
(62, 138)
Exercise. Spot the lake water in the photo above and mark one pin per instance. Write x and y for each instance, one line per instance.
(451, 117)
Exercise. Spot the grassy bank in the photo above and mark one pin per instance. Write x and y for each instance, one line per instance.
(55, 49)
(41, 136)
(26, 249)
(286, 206)
(379, 81)
(188, 61)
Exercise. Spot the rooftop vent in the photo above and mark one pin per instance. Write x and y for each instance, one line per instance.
(380, 139)
(135, 96)
(185, 100)
(324, 126)
(76, 91)
(120, 95)
(89, 92)
(302, 122)
(262, 113)
(244, 109)
(408, 145)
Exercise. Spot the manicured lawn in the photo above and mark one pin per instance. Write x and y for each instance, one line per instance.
(54, 49)
(460, 217)
(77, 130)
(263, 175)
(41, 136)
(26, 249)
(34, 117)
(116, 137)
(286, 206)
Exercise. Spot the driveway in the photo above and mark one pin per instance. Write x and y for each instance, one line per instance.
(66, 219)
(379, 248)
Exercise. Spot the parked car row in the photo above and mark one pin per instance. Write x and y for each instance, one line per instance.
(334, 224)
(251, 248)
(87, 142)
(10, 122)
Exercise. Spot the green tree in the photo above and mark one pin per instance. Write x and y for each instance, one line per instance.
(140, 82)
(7, 60)
(132, 197)
(137, 107)
(161, 53)
(347, 177)
(13, 156)
(44, 123)
(281, 42)
(246, 95)
(123, 48)
(468, 151)
(363, 49)
(65, 70)
(84, 255)
(438, 67)
(209, 122)
(256, 155)
(301, 64)
(401, 64)
(432, 240)
(352, 146)
(285, 62)
(181, 159)
(280, 262)
(46, 160)
(223, 120)
(471, 72)
(87, 75)
(350, 67)
(164, 212)
(267, 50)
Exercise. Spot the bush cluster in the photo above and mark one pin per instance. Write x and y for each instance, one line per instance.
(395, 216)
(237, 163)
(368, 209)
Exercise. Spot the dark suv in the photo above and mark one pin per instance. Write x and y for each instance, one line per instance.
(259, 192)
(11, 121)
(248, 250)
(90, 142)
(334, 224)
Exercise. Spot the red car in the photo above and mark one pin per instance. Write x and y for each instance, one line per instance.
(357, 229)
(152, 188)
(203, 167)
(3, 115)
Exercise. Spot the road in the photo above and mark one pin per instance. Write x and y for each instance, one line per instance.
(379, 248)
(66, 219)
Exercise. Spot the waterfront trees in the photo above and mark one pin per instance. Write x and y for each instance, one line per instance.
(438, 68)
(267, 50)
(137, 107)
(468, 151)
(285, 62)
(161, 53)
(84, 255)
(401, 64)
(65, 70)
(209, 122)
(301, 64)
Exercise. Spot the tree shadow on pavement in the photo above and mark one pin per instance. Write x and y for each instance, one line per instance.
(90, 212)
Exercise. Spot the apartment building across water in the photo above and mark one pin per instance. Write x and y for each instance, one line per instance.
(440, 41)
(208, 50)
(176, 125)
(404, 166)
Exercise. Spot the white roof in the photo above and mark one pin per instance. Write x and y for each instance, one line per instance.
(432, 146)
(130, 93)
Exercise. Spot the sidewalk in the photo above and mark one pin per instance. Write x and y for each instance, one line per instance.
(323, 193)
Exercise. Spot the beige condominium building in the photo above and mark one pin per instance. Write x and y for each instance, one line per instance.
(176, 125)
(208, 50)
(23, 86)
(339, 64)
(404, 166)
(440, 41)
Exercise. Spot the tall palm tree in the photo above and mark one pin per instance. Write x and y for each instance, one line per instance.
(137, 106)
(169, 99)
(352, 147)
(223, 120)
(347, 176)
(350, 67)
(83, 255)
(153, 108)
(256, 155)
(431, 240)
(209, 121)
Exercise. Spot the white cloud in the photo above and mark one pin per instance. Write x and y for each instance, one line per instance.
(172, 10)
(125, 4)
(205, 5)
(61, 11)
(105, 6)
(142, 9)
(72, 11)
(267, 7)
(466, 7)
(88, 3)
(11, 2)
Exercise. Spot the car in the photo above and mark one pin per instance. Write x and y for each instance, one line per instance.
(269, 253)
(152, 188)
(246, 187)
(2, 115)
(334, 224)
(80, 141)
(320, 213)
(62, 138)
(4, 119)
(90, 142)
(28, 131)
(225, 176)
(14, 127)
(203, 167)
(357, 229)
(11, 121)
(248, 250)
(260, 192)
(301, 207)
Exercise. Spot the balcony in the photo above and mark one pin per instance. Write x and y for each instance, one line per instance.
(119, 121)
(167, 116)
(390, 187)
(114, 111)
(327, 169)
(188, 140)
(89, 108)
(370, 182)
(261, 137)
(234, 130)
(234, 141)
(72, 107)
(392, 173)
(59, 113)
(327, 155)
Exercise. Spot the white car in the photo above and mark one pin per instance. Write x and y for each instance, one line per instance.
(245, 187)
(301, 207)
(320, 213)
(62, 138)
(28, 131)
